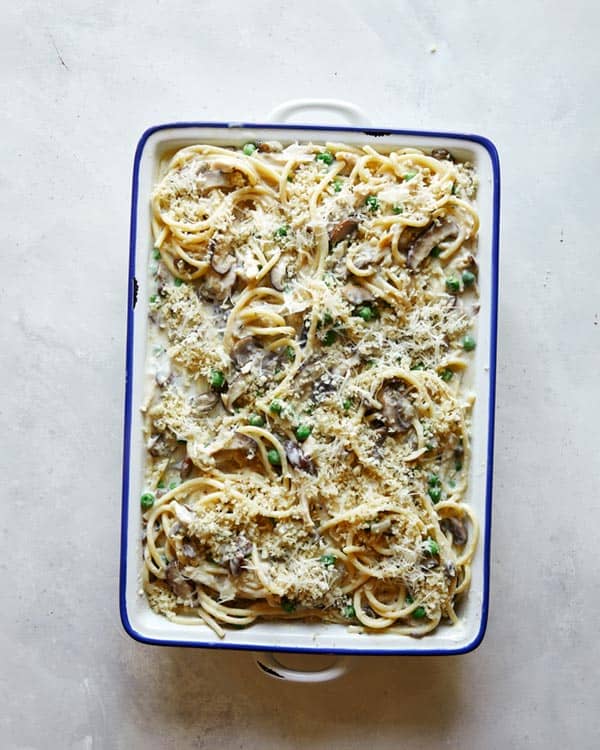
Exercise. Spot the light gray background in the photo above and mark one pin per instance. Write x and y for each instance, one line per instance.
(79, 81)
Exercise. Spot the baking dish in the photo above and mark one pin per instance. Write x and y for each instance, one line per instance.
(138, 619)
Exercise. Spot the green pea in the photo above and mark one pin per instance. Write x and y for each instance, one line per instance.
(249, 148)
(337, 184)
(418, 366)
(433, 480)
(349, 612)
(432, 547)
(161, 485)
(256, 420)
(156, 253)
(216, 379)
(178, 281)
(409, 599)
(366, 313)
(468, 278)
(397, 209)
(468, 343)
(453, 285)
(419, 613)
(372, 202)
(446, 375)
(274, 457)
(303, 431)
(153, 298)
(435, 253)
(458, 466)
(276, 407)
(172, 485)
(147, 500)
(325, 157)
(290, 353)
(435, 493)
(282, 231)
(328, 560)
(329, 338)
(346, 404)
(408, 176)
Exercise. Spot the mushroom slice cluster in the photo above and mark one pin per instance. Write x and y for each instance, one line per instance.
(397, 410)
(423, 244)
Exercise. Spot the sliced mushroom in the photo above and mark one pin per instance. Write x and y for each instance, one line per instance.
(218, 287)
(456, 528)
(175, 529)
(244, 351)
(185, 270)
(186, 467)
(224, 165)
(241, 442)
(357, 295)
(243, 547)
(220, 260)
(235, 565)
(270, 147)
(183, 514)
(188, 550)
(238, 385)
(159, 447)
(397, 411)
(366, 256)
(307, 375)
(407, 237)
(270, 361)
(297, 458)
(427, 240)
(203, 403)
(442, 154)
(342, 230)
(278, 274)
(177, 583)
(214, 178)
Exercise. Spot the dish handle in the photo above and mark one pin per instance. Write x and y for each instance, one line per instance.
(352, 114)
(270, 665)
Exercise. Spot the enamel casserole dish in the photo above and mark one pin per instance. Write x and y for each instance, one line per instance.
(139, 620)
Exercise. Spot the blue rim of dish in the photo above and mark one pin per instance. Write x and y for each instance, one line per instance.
(132, 296)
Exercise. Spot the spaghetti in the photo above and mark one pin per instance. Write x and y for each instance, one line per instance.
(307, 417)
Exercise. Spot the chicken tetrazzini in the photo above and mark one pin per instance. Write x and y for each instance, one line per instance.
(311, 318)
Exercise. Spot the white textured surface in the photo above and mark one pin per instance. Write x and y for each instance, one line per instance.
(79, 81)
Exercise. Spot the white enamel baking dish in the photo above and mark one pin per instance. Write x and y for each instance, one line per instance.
(268, 637)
